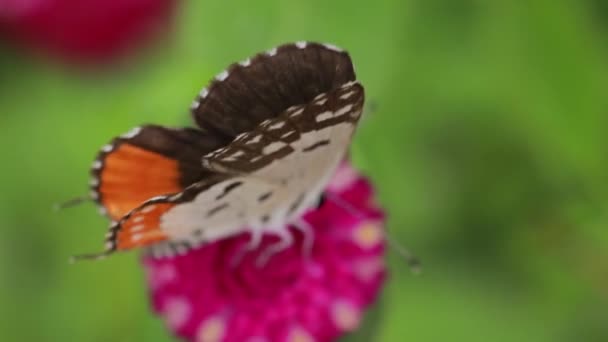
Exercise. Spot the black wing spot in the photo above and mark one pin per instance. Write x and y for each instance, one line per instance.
(316, 145)
(217, 209)
(264, 196)
(229, 188)
(296, 203)
(322, 200)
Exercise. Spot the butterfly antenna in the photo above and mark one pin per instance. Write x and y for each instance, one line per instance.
(343, 204)
(96, 256)
(411, 260)
(71, 203)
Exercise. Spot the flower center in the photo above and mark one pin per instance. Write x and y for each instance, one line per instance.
(247, 279)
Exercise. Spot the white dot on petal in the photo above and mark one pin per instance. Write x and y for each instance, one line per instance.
(94, 182)
(366, 270)
(368, 235)
(203, 93)
(345, 315)
(96, 165)
(299, 335)
(211, 330)
(177, 312)
(109, 245)
(107, 148)
(301, 45)
(162, 274)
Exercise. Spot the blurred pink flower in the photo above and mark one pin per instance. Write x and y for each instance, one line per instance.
(295, 297)
(84, 31)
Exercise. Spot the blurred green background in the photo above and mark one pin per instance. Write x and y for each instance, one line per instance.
(487, 144)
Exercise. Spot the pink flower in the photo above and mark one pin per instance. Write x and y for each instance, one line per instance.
(203, 296)
(84, 31)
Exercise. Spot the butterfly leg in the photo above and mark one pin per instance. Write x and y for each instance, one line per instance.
(255, 238)
(412, 261)
(344, 205)
(309, 236)
(285, 240)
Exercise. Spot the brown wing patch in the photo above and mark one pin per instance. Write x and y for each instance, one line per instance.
(131, 175)
(265, 85)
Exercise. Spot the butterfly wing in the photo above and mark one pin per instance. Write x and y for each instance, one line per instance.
(146, 162)
(278, 184)
(262, 87)
(289, 114)
(297, 149)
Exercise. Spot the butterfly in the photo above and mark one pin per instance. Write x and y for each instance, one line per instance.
(272, 130)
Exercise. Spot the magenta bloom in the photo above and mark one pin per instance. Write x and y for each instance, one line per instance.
(295, 297)
(84, 31)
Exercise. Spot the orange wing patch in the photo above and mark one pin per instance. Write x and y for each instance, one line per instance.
(141, 228)
(131, 175)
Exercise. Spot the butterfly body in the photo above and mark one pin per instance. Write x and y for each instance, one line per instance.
(272, 131)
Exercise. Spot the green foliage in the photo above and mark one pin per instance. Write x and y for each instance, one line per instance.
(487, 145)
